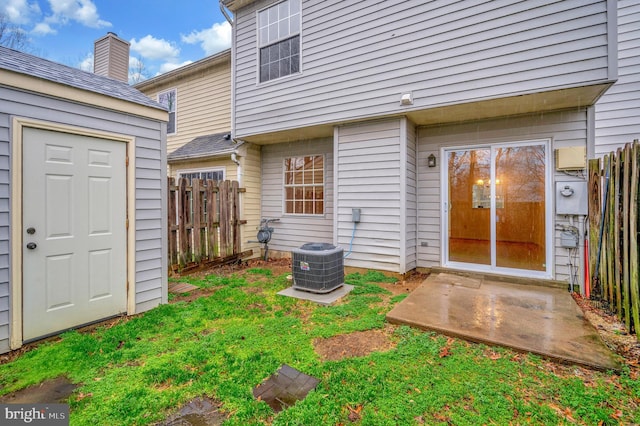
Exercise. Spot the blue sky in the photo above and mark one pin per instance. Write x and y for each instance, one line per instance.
(164, 34)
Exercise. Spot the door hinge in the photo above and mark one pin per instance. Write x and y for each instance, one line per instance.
(126, 223)
(126, 160)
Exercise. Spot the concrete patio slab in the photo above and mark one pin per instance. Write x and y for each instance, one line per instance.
(541, 320)
(325, 299)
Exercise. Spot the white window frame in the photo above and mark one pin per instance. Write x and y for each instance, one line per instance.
(285, 186)
(293, 32)
(181, 172)
(175, 109)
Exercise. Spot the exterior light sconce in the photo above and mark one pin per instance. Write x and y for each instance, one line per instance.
(431, 160)
(406, 99)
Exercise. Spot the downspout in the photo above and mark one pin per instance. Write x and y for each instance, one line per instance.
(225, 13)
(229, 19)
(234, 158)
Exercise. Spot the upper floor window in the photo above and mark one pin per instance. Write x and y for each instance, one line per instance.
(304, 185)
(168, 99)
(279, 40)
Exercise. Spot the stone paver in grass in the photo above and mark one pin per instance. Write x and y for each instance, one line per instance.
(284, 388)
(179, 288)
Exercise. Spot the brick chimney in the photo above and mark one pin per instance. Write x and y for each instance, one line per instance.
(111, 57)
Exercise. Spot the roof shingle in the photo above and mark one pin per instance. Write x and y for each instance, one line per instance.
(205, 146)
(24, 63)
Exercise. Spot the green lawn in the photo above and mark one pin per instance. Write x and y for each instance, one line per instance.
(142, 369)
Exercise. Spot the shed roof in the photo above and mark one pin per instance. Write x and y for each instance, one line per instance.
(23, 63)
(205, 147)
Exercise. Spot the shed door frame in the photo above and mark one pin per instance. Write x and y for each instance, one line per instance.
(18, 125)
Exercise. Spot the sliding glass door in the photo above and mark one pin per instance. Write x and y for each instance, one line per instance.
(495, 207)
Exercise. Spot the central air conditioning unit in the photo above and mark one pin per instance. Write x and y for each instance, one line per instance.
(318, 267)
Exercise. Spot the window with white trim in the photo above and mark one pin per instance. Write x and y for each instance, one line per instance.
(213, 174)
(279, 40)
(168, 99)
(304, 185)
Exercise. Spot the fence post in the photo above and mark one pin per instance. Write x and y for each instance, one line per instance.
(197, 219)
(171, 218)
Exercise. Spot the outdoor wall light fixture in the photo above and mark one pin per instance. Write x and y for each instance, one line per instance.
(406, 99)
(431, 160)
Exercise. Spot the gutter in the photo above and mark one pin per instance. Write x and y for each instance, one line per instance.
(225, 13)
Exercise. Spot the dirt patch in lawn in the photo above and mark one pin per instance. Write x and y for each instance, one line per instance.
(198, 412)
(51, 391)
(359, 343)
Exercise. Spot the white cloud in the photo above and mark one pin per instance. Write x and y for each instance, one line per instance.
(19, 11)
(170, 66)
(82, 11)
(42, 28)
(212, 40)
(150, 47)
(87, 63)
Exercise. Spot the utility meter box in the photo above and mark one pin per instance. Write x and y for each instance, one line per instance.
(571, 198)
(571, 158)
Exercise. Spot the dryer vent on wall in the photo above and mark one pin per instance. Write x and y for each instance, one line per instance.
(318, 267)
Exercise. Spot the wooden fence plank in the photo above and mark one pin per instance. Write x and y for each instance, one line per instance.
(183, 204)
(633, 231)
(625, 303)
(616, 211)
(611, 231)
(196, 212)
(212, 218)
(595, 210)
(604, 267)
(172, 221)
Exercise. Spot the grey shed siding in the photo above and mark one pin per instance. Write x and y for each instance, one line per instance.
(618, 111)
(443, 52)
(4, 228)
(564, 128)
(294, 230)
(150, 184)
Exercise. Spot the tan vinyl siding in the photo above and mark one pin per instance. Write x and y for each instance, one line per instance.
(618, 111)
(294, 230)
(203, 102)
(111, 58)
(251, 180)
(564, 128)
(359, 57)
(368, 168)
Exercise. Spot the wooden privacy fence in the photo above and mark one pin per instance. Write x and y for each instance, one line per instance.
(613, 232)
(204, 222)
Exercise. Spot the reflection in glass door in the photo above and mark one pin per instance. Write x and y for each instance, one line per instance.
(496, 207)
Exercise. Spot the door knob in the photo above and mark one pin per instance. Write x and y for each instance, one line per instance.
(31, 231)
(31, 246)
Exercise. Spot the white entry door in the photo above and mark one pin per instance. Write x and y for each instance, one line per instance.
(74, 231)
